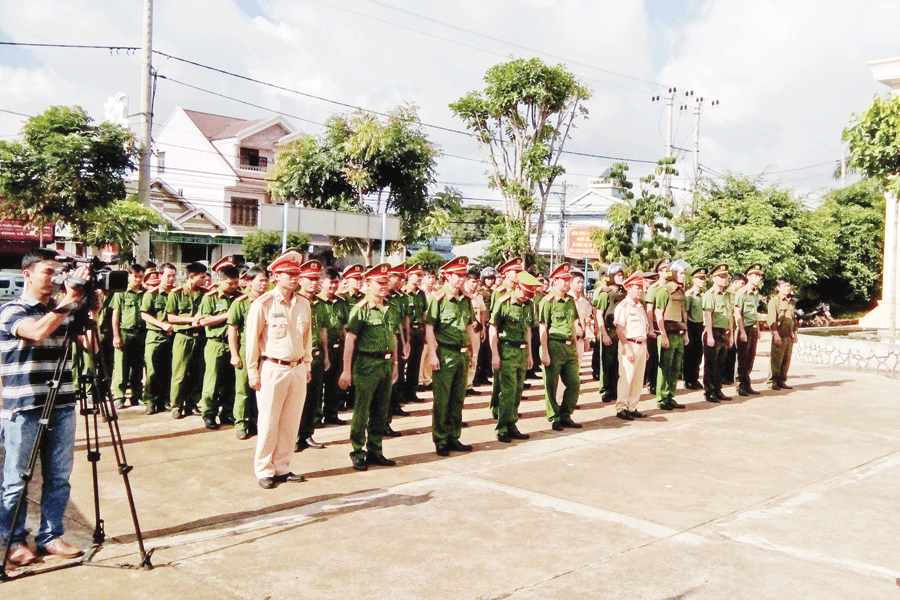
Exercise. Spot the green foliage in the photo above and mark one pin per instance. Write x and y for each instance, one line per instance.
(441, 210)
(509, 240)
(120, 223)
(474, 223)
(64, 169)
(261, 247)
(853, 217)
(360, 156)
(428, 258)
(874, 139)
(737, 222)
(522, 119)
(639, 230)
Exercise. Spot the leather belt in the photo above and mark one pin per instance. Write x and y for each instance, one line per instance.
(520, 345)
(460, 349)
(562, 341)
(190, 334)
(635, 341)
(382, 355)
(283, 363)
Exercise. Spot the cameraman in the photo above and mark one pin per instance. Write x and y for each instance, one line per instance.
(32, 340)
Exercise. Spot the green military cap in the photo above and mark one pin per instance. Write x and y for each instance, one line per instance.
(528, 281)
(515, 264)
(719, 269)
(700, 272)
(662, 263)
(651, 276)
(754, 270)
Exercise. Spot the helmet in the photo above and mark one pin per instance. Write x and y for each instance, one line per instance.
(614, 268)
(679, 266)
(488, 272)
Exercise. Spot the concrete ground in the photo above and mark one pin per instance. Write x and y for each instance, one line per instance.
(790, 494)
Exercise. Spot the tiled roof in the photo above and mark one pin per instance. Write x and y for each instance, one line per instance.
(218, 127)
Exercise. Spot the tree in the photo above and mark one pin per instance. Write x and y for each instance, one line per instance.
(874, 139)
(120, 223)
(261, 247)
(441, 209)
(64, 169)
(361, 157)
(854, 218)
(522, 119)
(474, 223)
(640, 228)
(428, 258)
(509, 240)
(737, 222)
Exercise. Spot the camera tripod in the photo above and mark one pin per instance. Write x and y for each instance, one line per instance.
(95, 403)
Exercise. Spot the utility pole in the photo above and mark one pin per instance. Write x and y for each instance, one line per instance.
(142, 248)
(698, 109)
(562, 222)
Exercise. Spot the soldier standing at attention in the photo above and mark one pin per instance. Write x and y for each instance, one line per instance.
(450, 334)
(398, 300)
(486, 291)
(693, 348)
(352, 279)
(632, 327)
(310, 272)
(279, 352)
(370, 364)
(746, 316)
(217, 400)
(158, 342)
(661, 270)
(470, 289)
(509, 272)
(718, 314)
(128, 339)
(605, 302)
(738, 280)
(783, 325)
(510, 341)
(584, 328)
(429, 287)
(416, 303)
(671, 319)
(556, 317)
(331, 312)
(183, 311)
(244, 396)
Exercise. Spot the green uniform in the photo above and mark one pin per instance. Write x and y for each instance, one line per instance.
(312, 405)
(244, 411)
(451, 317)
(670, 299)
(650, 372)
(187, 360)
(157, 353)
(373, 369)
(747, 301)
(332, 315)
(719, 304)
(217, 399)
(781, 318)
(501, 290)
(605, 303)
(416, 305)
(400, 302)
(128, 361)
(559, 315)
(513, 320)
(693, 351)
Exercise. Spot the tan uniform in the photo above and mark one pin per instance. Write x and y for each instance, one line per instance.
(632, 317)
(279, 350)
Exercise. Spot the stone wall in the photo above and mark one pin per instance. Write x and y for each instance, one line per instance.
(846, 352)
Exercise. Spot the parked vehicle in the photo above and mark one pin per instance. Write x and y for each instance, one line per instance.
(820, 316)
(11, 284)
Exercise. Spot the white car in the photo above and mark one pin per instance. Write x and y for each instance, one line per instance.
(11, 284)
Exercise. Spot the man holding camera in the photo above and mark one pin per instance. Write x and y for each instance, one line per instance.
(32, 340)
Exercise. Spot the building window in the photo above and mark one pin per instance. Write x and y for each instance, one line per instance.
(244, 212)
(250, 158)
(161, 162)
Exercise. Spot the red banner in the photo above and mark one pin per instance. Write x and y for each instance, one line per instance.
(579, 244)
(19, 231)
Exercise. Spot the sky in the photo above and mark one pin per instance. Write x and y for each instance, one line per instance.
(787, 74)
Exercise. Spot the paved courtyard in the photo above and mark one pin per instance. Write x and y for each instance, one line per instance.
(791, 494)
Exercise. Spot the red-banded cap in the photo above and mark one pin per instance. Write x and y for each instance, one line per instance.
(289, 262)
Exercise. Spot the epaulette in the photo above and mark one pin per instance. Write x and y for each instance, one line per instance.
(361, 303)
(438, 296)
(504, 298)
(266, 295)
(211, 292)
(241, 297)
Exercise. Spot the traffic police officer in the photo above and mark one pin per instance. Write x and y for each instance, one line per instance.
(671, 319)
(556, 318)
(718, 315)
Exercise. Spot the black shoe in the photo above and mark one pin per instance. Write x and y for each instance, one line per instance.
(463, 424)
(607, 399)
(752, 392)
(289, 477)
(526, 386)
(504, 438)
(311, 443)
(241, 434)
(676, 404)
(712, 398)
(665, 406)
(471, 392)
(360, 464)
(776, 387)
(442, 450)
(300, 446)
(694, 385)
(335, 420)
(625, 415)
(722, 396)
(135, 401)
(389, 432)
(571, 424)
(226, 421)
(637, 414)
(267, 483)
(459, 446)
(518, 435)
(210, 423)
(413, 399)
(557, 426)
(399, 412)
(785, 386)
(380, 461)
(743, 392)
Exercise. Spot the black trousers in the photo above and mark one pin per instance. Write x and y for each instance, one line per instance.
(746, 355)
(414, 362)
(332, 392)
(693, 353)
(714, 359)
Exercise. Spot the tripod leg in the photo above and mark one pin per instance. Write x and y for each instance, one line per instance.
(87, 382)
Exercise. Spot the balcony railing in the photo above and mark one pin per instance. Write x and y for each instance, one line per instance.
(248, 167)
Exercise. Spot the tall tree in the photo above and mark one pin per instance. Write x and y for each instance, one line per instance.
(874, 139)
(640, 228)
(120, 223)
(64, 169)
(522, 119)
(261, 247)
(474, 223)
(360, 157)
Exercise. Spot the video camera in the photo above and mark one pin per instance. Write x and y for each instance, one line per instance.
(100, 276)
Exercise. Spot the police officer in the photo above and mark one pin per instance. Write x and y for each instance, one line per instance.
(738, 280)
(128, 339)
(397, 298)
(661, 270)
(370, 364)
(217, 399)
(183, 311)
(310, 274)
(416, 305)
(605, 302)
(352, 279)
(158, 341)
(509, 272)
(488, 277)
(671, 320)
(746, 317)
(718, 315)
(331, 312)
(556, 318)
(510, 341)
(782, 322)
(244, 396)
(450, 334)
(693, 347)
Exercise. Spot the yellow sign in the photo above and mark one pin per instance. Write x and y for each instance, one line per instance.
(579, 244)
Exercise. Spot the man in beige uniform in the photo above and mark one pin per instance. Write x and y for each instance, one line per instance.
(632, 330)
(279, 353)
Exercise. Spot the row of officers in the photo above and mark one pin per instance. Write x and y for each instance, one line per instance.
(278, 351)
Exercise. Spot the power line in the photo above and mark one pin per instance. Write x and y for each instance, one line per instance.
(12, 112)
(78, 46)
